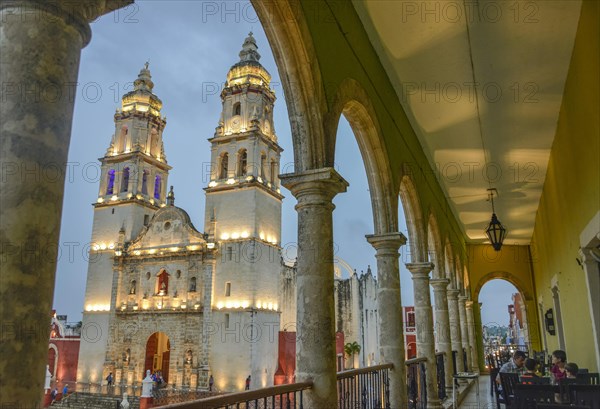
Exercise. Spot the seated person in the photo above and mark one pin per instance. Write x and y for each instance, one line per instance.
(530, 371)
(571, 369)
(557, 372)
(514, 365)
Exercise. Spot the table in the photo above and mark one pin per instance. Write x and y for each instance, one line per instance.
(465, 375)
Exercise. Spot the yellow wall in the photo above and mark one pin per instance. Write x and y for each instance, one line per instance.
(571, 195)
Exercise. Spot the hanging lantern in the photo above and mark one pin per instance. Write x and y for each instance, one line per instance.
(495, 231)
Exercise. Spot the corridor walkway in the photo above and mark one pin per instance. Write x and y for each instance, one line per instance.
(486, 400)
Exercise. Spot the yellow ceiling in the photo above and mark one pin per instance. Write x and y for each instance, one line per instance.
(482, 83)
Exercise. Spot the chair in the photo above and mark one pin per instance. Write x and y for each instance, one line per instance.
(528, 396)
(508, 382)
(564, 389)
(588, 395)
(534, 380)
(493, 376)
(499, 398)
(594, 378)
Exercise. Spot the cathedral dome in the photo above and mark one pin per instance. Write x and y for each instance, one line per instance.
(248, 69)
(142, 98)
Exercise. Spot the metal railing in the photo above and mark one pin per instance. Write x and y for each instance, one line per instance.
(416, 383)
(365, 388)
(441, 374)
(168, 396)
(276, 397)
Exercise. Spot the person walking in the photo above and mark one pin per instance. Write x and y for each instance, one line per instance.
(109, 380)
(248, 383)
(211, 382)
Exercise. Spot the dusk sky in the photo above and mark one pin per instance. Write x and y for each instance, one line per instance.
(190, 46)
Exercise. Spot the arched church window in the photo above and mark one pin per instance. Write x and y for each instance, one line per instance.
(110, 183)
(145, 183)
(163, 283)
(157, 186)
(125, 180)
(273, 171)
(263, 165)
(123, 139)
(133, 287)
(153, 142)
(243, 163)
(193, 284)
(237, 109)
(224, 166)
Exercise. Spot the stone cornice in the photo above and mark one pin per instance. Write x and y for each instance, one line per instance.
(386, 241)
(314, 187)
(439, 283)
(420, 268)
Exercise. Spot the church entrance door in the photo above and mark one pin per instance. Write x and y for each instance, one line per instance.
(158, 349)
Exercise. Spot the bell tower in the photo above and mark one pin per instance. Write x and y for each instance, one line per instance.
(243, 215)
(133, 182)
(245, 156)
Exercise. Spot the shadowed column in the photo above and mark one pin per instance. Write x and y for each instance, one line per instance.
(442, 322)
(471, 331)
(424, 320)
(315, 341)
(455, 334)
(464, 329)
(40, 47)
(389, 306)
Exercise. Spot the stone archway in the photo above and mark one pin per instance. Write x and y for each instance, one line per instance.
(526, 331)
(158, 354)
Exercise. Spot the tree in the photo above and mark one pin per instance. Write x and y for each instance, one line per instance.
(352, 350)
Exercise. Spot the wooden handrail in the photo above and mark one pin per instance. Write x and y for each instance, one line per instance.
(233, 398)
(353, 372)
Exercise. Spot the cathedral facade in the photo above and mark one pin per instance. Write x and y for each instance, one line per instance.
(164, 296)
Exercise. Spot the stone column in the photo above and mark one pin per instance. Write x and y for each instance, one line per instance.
(443, 341)
(315, 341)
(391, 331)
(455, 334)
(464, 331)
(424, 322)
(471, 330)
(40, 47)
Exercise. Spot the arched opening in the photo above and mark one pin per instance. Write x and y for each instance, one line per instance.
(243, 163)
(133, 287)
(162, 283)
(237, 109)
(145, 182)
(263, 165)
(122, 145)
(349, 256)
(224, 166)
(52, 360)
(110, 182)
(503, 320)
(273, 176)
(125, 180)
(411, 207)
(157, 187)
(158, 351)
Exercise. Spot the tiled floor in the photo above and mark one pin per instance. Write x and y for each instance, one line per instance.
(486, 401)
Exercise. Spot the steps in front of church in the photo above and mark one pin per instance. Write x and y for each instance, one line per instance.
(82, 400)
